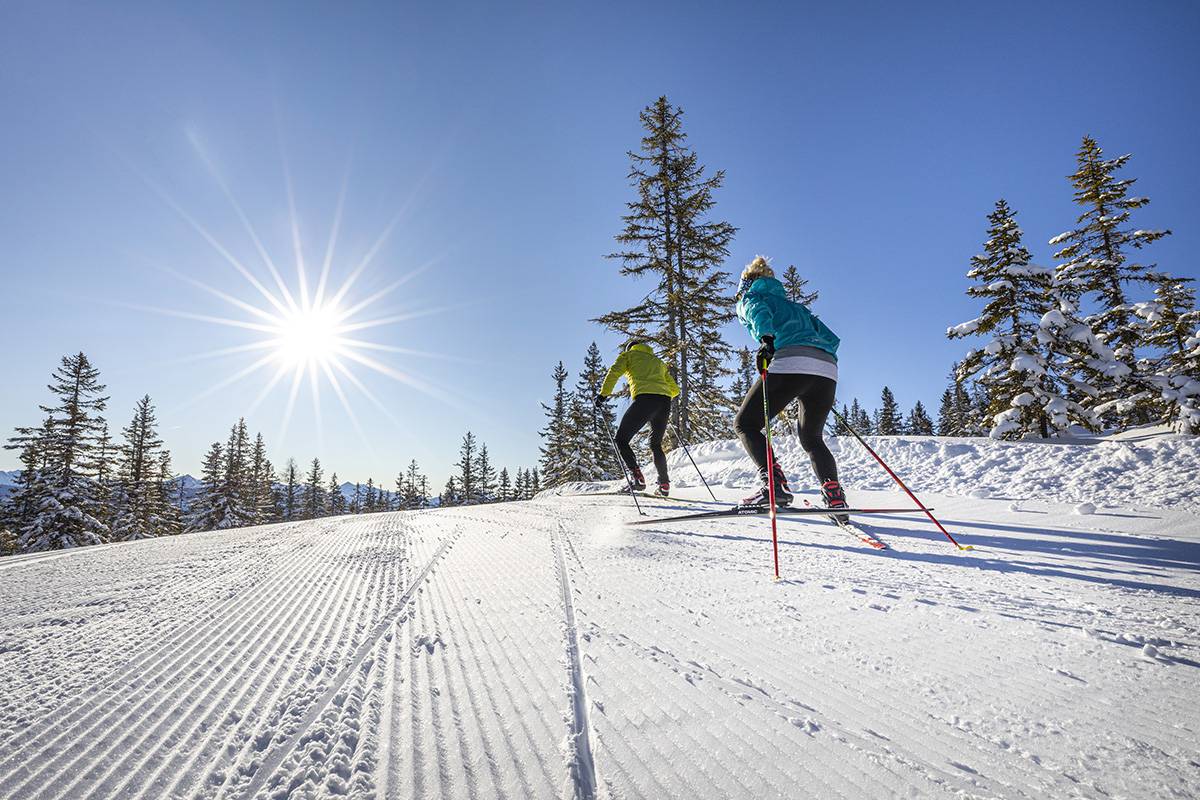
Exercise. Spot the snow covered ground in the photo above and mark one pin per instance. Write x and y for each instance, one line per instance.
(541, 649)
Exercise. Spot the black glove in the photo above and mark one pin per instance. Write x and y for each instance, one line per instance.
(598, 399)
(765, 353)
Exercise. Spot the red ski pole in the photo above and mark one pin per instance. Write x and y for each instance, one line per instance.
(770, 473)
(896, 478)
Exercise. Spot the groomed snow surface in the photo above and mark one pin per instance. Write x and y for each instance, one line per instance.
(542, 650)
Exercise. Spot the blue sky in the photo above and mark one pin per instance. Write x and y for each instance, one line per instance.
(864, 142)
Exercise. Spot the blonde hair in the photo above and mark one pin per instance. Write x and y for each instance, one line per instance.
(760, 267)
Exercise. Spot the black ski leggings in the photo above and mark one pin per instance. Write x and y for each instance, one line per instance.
(652, 408)
(815, 393)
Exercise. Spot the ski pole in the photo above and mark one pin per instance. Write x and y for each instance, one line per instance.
(624, 470)
(896, 478)
(689, 455)
(770, 473)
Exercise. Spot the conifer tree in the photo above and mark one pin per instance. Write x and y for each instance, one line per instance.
(208, 511)
(918, 422)
(314, 491)
(668, 236)
(356, 499)
(946, 416)
(504, 486)
(1173, 330)
(887, 419)
(107, 502)
(139, 509)
(20, 507)
(556, 435)
(794, 285)
(166, 508)
(535, 482)
(451, 495)
(413, 492)
(1016, 367)
(860, 419)
(743, 376)
(468, 469)
(261, 484)
(486, 476)
(370, 501)
(840, 428)
(597, 421)
(291, 490)
(66, 511)
(236, 491)
(1097, 267)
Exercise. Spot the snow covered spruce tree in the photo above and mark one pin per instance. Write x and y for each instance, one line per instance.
(504, 486)
(289, 501)
(169, 520)
(314, 491)
(335, 501)
(1097, 269)
(63, 507)
(261, 488)
(1016, 367)
(1173, 330)
(208, 509)
(139, 499)
(668, 237)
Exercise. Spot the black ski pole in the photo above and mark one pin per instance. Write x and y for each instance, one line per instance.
(624, 471)
(689, 455)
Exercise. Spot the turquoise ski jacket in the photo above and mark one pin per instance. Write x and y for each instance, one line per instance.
(766, 311)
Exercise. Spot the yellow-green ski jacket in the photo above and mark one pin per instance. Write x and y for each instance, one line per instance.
(645, 372)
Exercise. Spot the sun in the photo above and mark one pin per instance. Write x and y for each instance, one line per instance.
(308, 331)
(307, 337)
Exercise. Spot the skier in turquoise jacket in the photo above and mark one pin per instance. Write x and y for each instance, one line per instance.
(797, 358)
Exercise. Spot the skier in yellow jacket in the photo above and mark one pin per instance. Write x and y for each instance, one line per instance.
(652, 388)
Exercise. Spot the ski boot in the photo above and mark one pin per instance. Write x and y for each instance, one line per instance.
(637, 483)
(835, 497)
(783, 497)
(664, 489)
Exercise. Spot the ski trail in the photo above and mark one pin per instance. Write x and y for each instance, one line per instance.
(583, 763)
(173, 669)
(277, 756)
(272, 685)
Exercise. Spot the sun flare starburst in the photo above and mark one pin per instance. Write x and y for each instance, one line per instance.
(311, 332)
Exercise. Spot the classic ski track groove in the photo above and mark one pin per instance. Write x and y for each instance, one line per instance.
(216, 698)
(184, 658)
(281, 752)
(190, 776)
(583, 760)
(254, 575)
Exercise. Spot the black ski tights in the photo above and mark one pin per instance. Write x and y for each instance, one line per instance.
(815, 393)
(652, 408)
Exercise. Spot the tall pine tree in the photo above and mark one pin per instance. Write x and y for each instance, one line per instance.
(1097, 268)
(66, 510)
(668, 237)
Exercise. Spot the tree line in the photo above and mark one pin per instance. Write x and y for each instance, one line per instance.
(78, 487)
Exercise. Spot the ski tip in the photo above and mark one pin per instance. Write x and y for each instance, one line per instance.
(966, 547)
